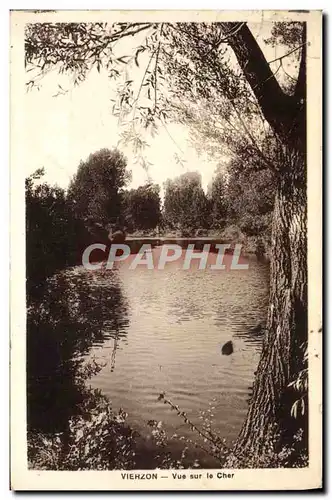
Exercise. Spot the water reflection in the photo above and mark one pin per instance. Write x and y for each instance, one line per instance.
(179, 319)
(74, 314)
(153, 331)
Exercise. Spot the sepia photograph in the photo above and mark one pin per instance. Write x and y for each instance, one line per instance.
(166, 312)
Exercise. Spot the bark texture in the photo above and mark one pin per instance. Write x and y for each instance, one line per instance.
(269, 411)
(269, 415)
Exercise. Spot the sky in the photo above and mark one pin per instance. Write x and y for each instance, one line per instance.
(61, 130)
(64, 129)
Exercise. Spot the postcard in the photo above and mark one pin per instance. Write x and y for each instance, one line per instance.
(166, 211)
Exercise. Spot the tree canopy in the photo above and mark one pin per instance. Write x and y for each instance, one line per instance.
(96, 189)
(185, 204)
(142, 207)
(179, 61)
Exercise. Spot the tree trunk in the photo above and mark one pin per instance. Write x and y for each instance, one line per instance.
(269, 423)
(269, 415)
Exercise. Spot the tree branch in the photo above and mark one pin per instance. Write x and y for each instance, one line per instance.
(300, 88)
(122, 33)
(279, 109)
(156, 67)
(286, 55)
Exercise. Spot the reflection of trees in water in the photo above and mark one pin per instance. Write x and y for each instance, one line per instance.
(247, 323)
(252, 335)
(78, 309)
(112, 360)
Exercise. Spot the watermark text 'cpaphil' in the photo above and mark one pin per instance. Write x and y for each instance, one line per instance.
(210, 257)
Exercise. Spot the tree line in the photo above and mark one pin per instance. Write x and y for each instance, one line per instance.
(60, 224)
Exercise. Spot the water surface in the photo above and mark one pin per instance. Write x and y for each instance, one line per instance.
(153, 331)
(177, 321)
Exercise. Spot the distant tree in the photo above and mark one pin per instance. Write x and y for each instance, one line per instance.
(141, 207)
(217, 195)
(250, 199)
(95, 192)
(185, 204)
(251, 191)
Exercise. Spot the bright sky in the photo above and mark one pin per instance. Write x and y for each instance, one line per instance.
(62, 130)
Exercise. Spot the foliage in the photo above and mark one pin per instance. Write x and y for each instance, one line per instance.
(76, 47)
(238, 195)
(290, 35)
(50, 230)
(62, 325)
(300, 387)
(250, 199)
(141, 207)
(286, 33)
(45, 216)
(178, 64)
(272, 456)
(95, 192)
(185, 203)
(212, 443)
(97, 439)
(218, 200)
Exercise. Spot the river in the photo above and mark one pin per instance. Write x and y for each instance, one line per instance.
(157, 331)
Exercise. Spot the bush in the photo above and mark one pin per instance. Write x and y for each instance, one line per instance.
(254, 225)
(97, 439)
(233, 234)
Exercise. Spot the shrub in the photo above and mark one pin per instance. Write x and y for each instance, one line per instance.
(96, 439)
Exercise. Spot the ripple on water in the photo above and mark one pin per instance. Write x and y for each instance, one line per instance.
(176, 323)
(162, 331)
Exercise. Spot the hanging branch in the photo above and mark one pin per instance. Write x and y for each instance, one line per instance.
(156, 67)
(253, 140)
(286, 55)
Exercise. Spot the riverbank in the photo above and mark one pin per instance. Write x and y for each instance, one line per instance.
(251, 245)
(100, 439)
